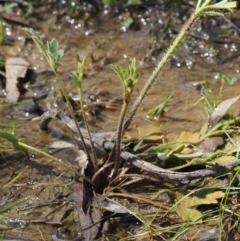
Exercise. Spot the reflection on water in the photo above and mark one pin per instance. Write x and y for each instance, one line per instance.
(104, 40)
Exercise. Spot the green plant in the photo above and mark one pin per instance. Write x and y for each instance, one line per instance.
(128, 77)
(223, 206)
(11, 7)
(2, 32)
(109, 2)
(134, 2)
(229, 80)
(12, 138)
(129, 2)
(159, 109)
(73, 10)
(203, 8)
(208, 99)
(78, 79)
(53, 55)
(21, 144)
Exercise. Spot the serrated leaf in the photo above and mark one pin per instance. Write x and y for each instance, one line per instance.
(53, 50)
(59, 54)
(52, 46)
(213, 13)
(223, 5)
(38, 41)
(33, 34)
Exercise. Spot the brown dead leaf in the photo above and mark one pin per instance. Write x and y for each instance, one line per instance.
(15, 68)
(147, 133)
(171, 137)
(221, 110)
(204, 197)
(224, 159)
(13, 17)
(188, 214)
(90, 221)
(150, 133)
(186, 136)
(210, 145)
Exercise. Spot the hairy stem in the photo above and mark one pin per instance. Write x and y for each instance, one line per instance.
(183, 33)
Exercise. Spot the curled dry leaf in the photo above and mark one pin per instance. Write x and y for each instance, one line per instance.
(15, 68)
(221, 110)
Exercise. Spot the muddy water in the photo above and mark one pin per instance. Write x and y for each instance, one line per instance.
(197, 61)
(105, 41)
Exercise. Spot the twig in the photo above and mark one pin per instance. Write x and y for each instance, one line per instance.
(182, 177)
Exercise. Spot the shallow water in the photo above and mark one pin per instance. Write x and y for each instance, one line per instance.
(104, 41)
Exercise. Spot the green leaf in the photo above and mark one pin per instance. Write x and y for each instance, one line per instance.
(38, 41)
(136, 147)
(11, 138)
(9, 7)
(33, 34)
(128, 22)
(157, 110)
(134, 2)
(237, 169)
(213, 13)
(109, 2)
(198, 4)
(75, 78)
(52, 46)
(81, 68)
(53, 50)
(2, 32)
(233, 80)
(78, 77)
(223, 5)
(53, 55)
(119, 72)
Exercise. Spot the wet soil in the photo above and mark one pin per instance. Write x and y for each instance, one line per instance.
(101, 33)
